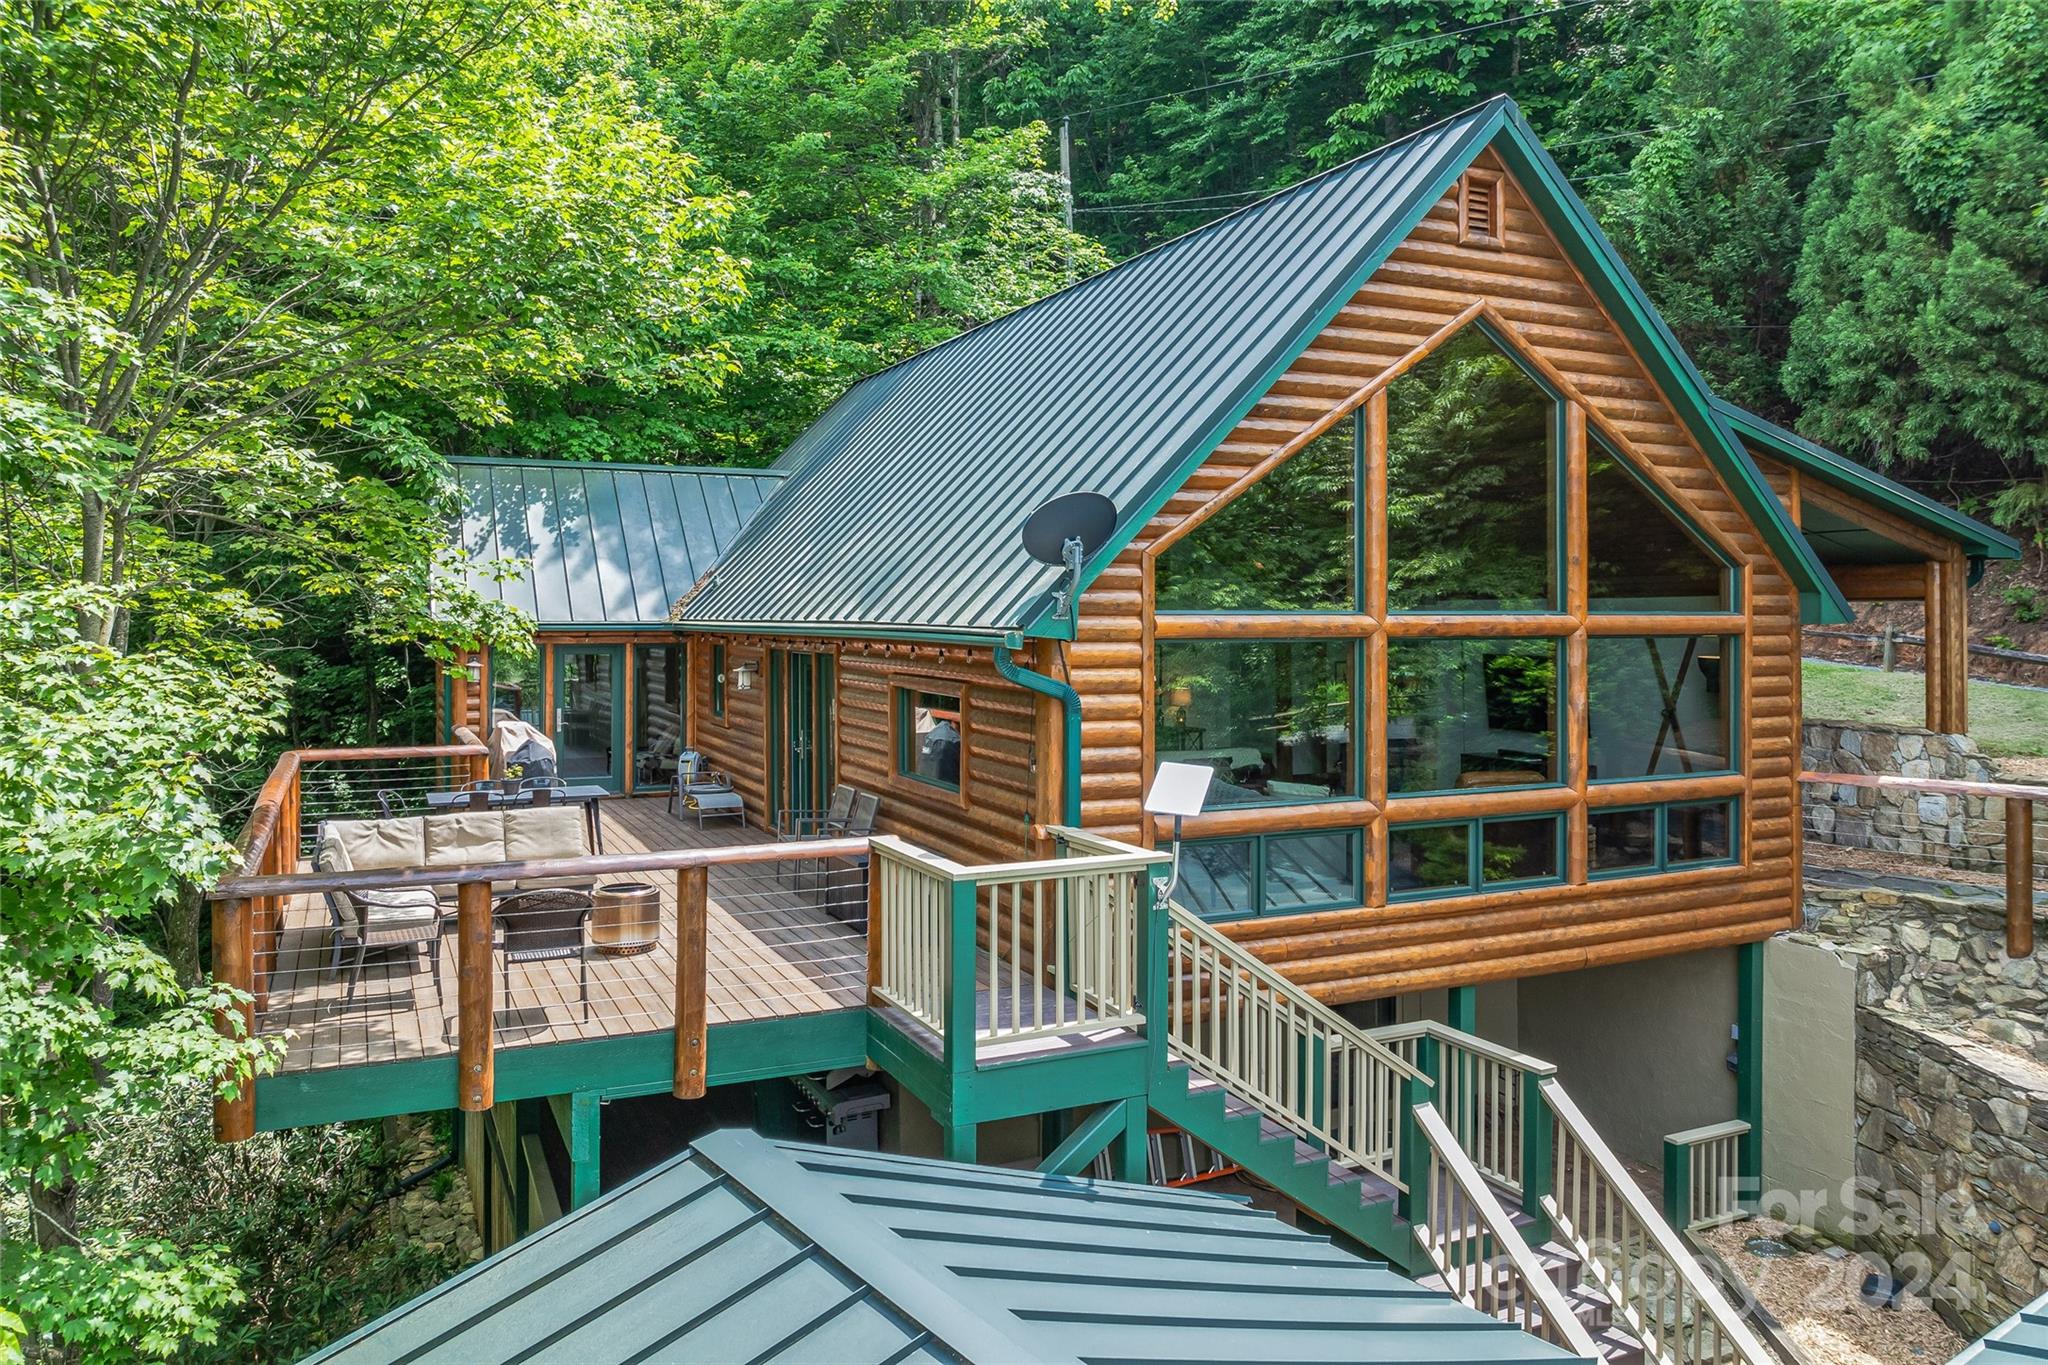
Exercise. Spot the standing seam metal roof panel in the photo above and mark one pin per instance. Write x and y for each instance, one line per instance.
(746, 1249)
(906, 498)
(2021, 1337)
(603, 544)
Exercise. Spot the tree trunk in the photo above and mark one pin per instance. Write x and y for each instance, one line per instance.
(181, 935)
(53, 1210)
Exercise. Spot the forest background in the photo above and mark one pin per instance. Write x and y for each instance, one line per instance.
(266, 264)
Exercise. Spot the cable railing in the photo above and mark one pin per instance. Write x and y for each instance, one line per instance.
(1483, 1093)
(1266, 1038)
(1991, 828)
(1480, 1253)
(1658, 1291)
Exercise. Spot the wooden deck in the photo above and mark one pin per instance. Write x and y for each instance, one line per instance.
(775, 951)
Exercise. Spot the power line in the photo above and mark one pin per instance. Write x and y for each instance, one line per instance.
(1346, 57)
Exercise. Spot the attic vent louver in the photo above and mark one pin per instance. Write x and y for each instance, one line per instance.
(1480, 210)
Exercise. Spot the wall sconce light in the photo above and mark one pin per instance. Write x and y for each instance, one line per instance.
(743, 676)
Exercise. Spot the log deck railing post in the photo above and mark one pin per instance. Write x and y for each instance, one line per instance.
(475, 1076)
(692, 942)
(2019, 876)
(234, 1117)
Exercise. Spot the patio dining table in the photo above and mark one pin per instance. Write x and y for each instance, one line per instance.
(586, 795)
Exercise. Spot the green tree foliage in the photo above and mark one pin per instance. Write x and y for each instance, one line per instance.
(1922, 335)
(877, 212)
(246, 253)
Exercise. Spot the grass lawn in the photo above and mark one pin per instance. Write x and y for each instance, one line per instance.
(2006, 721)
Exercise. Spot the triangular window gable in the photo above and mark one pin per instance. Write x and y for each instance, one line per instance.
(1642, 556)
(1287, 543)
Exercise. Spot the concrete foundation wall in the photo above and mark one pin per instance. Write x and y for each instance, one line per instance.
(1809, 1142)
(1641, 1047)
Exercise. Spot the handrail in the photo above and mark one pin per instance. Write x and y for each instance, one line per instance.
(1482, 1092)
(1528, 1297)
(2019, 836)
(1250, 965)
(1582, 1198)
(1702, 1168)
(600, 864)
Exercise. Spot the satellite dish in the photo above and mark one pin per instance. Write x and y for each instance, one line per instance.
(1086, 517)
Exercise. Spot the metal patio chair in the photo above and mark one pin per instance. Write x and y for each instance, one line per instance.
(550, 925)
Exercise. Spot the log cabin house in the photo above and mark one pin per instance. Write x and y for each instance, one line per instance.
(1430, 543)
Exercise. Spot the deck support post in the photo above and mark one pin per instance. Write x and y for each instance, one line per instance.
(1415, 1153)
(958, 1140)
(1133, 1161)
(1538, 1160)
(2019, 876)
(692, 1067)
(961, 946)
(234, 964)
(585, 1144)
(475, 1074)
(1463, 1011)
(1677, 1184)
(1053, 1128)
(1749, 1069)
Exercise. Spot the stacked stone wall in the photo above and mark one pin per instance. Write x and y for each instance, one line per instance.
(1956, 831)
(1952, 1136)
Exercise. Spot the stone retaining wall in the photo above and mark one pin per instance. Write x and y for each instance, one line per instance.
(1957, 831)
(1951, 1136)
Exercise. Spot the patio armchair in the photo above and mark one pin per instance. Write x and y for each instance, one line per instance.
(817, 824)
(546, 925)
(707, 792)
(363, 920)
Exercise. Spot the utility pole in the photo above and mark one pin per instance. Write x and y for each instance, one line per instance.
(1067, 186)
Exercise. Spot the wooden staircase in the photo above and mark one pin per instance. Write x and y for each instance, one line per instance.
(1461, 1162)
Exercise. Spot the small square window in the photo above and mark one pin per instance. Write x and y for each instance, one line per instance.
(1698, 832)
(1310, 872)
(930, 731)
(1622, 840)
(1518, 850)
(1425, 860)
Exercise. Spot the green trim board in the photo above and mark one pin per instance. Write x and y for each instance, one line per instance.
(1977, 539)
(638, 1064)
(744, 1248)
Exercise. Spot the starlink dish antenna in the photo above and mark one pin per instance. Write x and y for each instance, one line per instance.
(1064, 532)
(1179, 790)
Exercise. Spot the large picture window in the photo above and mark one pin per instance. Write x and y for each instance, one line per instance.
(1657, 706)
(1273, 718)
(1287, 543)
(1471, 483)
(1471, 713)
(1641, 558)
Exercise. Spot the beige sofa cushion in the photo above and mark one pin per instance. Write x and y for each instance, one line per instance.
(362, 845)
(545, 832)
(465, 836)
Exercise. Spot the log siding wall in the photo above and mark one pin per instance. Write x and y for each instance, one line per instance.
(1528, 288)
(989, 821)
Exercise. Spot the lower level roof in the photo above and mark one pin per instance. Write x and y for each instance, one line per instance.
(748, 1249)
(2021, 1337)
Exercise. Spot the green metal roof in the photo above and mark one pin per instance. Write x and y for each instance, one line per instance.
(904, 501)
(1974, 536)
(603, 544)
(746, 1249)
(2021, 1337)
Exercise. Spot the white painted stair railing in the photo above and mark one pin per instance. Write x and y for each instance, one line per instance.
(1479, 1251)
(1484, 1093)
(1262, 1036)
(1659, 1292)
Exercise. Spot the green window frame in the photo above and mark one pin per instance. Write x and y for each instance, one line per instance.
(905, 700)
(1476, 881)
(1260, 847)
(718, 681)
(1660, 845)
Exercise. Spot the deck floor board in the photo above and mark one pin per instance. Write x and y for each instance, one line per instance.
(774, 951)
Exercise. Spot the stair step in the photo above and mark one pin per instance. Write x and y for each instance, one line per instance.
(1617, 1347)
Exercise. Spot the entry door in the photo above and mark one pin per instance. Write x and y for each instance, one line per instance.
(803, 709)
(590, 714)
